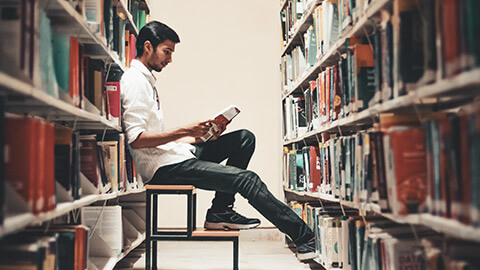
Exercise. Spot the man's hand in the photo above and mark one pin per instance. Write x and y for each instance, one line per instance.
(221, 126)
(199, 129)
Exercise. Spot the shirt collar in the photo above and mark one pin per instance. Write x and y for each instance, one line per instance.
(142, 68)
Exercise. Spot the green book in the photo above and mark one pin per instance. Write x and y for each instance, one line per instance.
(61, 59)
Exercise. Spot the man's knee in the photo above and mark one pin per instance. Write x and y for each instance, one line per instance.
(250, 184)
(247, 138)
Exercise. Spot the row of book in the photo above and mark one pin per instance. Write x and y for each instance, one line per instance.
(413, 45)
(47, 160)
(58, 63)
(290, 16)
(400, 164)
(103, 233)
(346, 240)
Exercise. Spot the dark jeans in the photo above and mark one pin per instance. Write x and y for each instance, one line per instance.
(205, 173)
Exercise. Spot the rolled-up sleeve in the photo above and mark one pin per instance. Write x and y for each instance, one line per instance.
(136, 106)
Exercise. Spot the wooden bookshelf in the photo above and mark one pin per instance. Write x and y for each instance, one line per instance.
(443, 225)
(27, 99)
(18, 222)
(465, 85)
(300, 27)
(22, 97)
(64, 12)
(363, 24)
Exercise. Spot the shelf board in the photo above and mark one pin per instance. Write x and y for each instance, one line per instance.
(300, 27)
(63, 12)
(449, 227)
(18, 222)
(123, 7)
(333, 54)
(311, 195)
(33, 101)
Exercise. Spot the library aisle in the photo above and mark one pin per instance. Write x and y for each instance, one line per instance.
(264, 254)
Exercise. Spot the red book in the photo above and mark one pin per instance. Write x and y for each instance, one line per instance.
(450, 31)
(327, 94)
(113, 97)
(89, 163)
(21, 142)
(315, 169)
(40, 167)
(49, 156)
(406, 169)
(133, 41)
(74, 74)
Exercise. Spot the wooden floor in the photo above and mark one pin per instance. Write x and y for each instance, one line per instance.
(254, 255)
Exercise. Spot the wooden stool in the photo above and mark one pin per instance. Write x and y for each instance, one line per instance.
(153, 234)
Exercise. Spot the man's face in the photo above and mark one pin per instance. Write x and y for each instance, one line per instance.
(161, 56)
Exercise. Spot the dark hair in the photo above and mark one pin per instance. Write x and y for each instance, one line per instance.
(155, 32)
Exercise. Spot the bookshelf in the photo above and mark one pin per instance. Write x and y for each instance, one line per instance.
(23, 96)
(445, 93)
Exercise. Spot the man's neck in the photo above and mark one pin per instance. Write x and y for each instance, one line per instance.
(144, 62)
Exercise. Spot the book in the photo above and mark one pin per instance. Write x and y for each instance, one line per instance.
(2, 160)
(405, 169)
(21, 153)
(106, 222)
(224, 117)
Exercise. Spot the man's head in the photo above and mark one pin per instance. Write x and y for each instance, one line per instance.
(155, 45)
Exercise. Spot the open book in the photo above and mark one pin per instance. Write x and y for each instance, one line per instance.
(223, 117)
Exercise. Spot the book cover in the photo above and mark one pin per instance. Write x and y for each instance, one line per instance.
(90, 163)
(386, 32)
(49, 179)
(315, 172)
(364, 76)
(450, 36)
(113, 96)
(474, 139)
(21, 153)
(74, 72)
(465, 168)
(406, 169)
(63, 156)
(2, 159)
(222, 118)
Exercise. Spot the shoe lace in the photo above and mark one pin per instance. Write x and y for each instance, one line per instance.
(232, 210)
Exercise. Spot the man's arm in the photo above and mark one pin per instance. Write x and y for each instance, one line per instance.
(149, 139)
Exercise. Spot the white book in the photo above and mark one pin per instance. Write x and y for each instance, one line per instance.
(224, 117)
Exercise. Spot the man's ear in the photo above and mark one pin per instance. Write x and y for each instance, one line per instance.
(147, 46)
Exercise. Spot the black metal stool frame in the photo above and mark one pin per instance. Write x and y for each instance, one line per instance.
(152, 235)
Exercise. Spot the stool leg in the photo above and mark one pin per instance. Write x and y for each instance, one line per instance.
(189, 214)
(194, 222)
(148, 231)
(155, 231)
(154, 254)
(235, 253)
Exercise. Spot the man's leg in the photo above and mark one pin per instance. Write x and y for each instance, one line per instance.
(229, 179)
(237, 148)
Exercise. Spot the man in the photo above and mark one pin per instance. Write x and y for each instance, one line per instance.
(178, 156)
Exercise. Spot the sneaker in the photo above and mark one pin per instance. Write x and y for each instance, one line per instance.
(229, 220)
(306, 251)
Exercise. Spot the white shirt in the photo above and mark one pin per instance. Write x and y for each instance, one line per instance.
(141, 112)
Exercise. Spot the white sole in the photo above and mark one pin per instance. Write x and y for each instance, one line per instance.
(306, 256)
(228, 226)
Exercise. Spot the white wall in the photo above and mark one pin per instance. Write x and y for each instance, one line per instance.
(228, 54)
